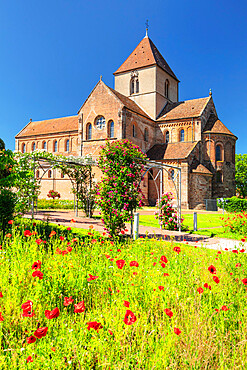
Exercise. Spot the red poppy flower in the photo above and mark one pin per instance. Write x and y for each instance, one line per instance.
(166, 274)
(163, 259)
(243, 240)
(52, 233)
(67, 301)
(1, 294)
(120, 263)
(238, 265)
(126, 304)
(29, 359)
(79, 307)
(212, 269)
(36, 265)
(58, 251)
(8, 235)
(52, 314)
(200, 290)
(177, 331)
(206, 285)
(110, 332)
(122, 232)
(224, 308)
(64, 252)
(216, 310)
(39, 241)
(177, 249)
(38, 273)
(69, 249)
(72, 220)
(1, 317)
(62, 238)
(209, 287)
(69, 228)
(161, 287)
(244, 281)
(31, 339)
(163, 265)
(41, 332)
(27, 233)
(27, 313)
(91, 277)
(94, 325)
(10, 222)
(134, 263)
(235, 251)
(168, 312)
(242, 250)
(129, 318)
(216, 279)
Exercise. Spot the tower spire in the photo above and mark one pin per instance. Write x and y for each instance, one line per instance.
(147, 27)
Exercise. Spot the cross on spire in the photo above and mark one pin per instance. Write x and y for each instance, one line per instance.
(147, 27)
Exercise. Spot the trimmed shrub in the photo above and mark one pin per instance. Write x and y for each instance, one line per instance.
(7, 207)
(55, 204)
(233, 204)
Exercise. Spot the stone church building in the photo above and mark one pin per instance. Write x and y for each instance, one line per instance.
(144, 108)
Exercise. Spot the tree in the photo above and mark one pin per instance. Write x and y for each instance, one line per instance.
(2, 144)
(119, 192)
(241, 174)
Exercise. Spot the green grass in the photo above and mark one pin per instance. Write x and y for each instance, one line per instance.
(208, 339)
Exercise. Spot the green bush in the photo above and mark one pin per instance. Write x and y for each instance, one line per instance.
(7, 207)
(55, 204)
(233, 204)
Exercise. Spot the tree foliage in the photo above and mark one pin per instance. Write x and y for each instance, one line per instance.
(241, 175)
(2, 144)
(119, 193)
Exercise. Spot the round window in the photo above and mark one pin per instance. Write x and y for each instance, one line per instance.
(100, 123)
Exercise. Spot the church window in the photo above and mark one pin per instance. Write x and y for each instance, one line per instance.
(172, 174)
(89, 131)
(146, 135)
(182, 135)
(218, 153)
(44, 145)
(55, 146)
(132, 86)
(137, 86)
(49, 174)
(111, 129)
(167, 137)
(33, 147)
(23, 148)
(167, 89)
(67, 145)
(219, 177)
(100, 122)
(134, 131)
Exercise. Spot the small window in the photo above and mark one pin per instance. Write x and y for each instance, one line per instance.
(167, 137)
(132, 86)
(182, 135)
(219, 179)
(33, 147)
(137, 86)
(44, 145)
(167, 89)
(218, 153)
(146, 135)
(37, 174)
(134, 131)
(89, 131)
(23, 148)
(55, 146)
(49, 174)
(100, 122)
(111, 129)
(67, 145)
(172, 174)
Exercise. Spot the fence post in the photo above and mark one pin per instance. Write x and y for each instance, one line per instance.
(195, 221)
(136, 226)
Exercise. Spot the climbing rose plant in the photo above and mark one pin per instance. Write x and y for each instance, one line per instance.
(166, 214)
(119, 193)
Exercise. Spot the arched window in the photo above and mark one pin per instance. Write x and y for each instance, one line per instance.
(89, 131)
(33, 147)
(44, 145)
(111, 129)
(182, 135)
(146, 135)
(37, 174)
(218, 153)
(167, 137)
(55, 146)
(100, 122)
(49, 174)
(67, 145)
(219, 179)
(132, 86)
(23, 148)
(137, 85)
(167, 89)
(133, 131)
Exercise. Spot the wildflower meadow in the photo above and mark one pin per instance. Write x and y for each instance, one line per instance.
(74, 301)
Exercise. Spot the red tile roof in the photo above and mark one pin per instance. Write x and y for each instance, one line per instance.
(217, 127)
(179, 150)
(202, 169)
(184, 109)
(51, 126)
(145, 54)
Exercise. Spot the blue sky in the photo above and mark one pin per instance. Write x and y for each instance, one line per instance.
(53, 53)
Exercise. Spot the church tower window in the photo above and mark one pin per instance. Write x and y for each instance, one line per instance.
(67, 145)
(132, 86)
(134, 83)
(55, 146)
(167, 137)
(218, 153)
(23, 148)
(146, 135)
(44, 145)
(111, 129)
(89, 131)
(137, 85)
(182, 135)
(33, 147)
(167, 89)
